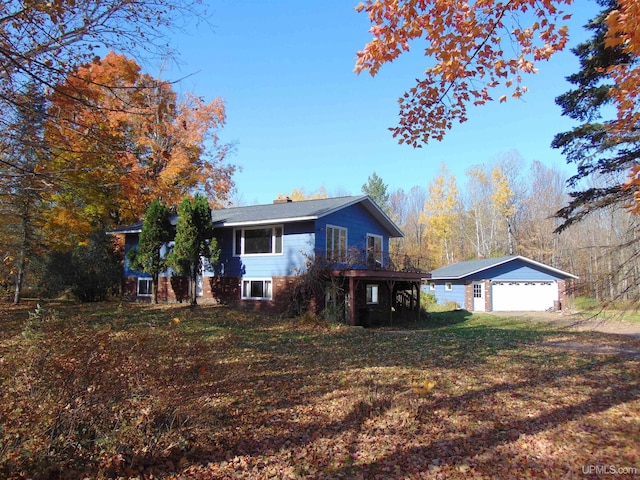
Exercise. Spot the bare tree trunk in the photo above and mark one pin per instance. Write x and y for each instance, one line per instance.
(22, 255)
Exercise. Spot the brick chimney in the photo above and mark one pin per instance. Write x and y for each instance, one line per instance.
(282, 199)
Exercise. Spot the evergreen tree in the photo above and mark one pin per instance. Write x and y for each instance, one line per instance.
(377, 190)
(156, 232)
(194, 241)
(599, 153)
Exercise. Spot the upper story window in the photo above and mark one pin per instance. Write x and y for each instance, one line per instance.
(258, 241)
(336, 243)
(374, 251)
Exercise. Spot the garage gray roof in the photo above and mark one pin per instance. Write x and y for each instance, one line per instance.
(461, 270)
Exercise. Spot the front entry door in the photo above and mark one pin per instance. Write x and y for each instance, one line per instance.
(478, 297)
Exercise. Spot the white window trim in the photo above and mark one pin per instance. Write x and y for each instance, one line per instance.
(375, 293)
(273, 241)
(448, 286)
(346, 239)
(432, 287)
(373, 235)
(270, 280)
(150, 287)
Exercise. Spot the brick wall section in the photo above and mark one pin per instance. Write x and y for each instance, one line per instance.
(130, 287)
(563, 296)
(225, 290)
(468, 296)
(487, 295)
(282, 293)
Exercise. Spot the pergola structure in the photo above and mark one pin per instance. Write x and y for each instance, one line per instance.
(395, 284)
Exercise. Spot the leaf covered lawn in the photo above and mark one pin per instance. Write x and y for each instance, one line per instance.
(137, 391)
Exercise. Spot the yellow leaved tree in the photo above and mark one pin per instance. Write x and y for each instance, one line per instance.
(441, 216)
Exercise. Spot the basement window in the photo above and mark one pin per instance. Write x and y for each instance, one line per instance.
(372, 294)
(258, 289)
(145, 286)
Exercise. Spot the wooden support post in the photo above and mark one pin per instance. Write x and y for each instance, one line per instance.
(352, 300)
(391, 284)
(418, 289)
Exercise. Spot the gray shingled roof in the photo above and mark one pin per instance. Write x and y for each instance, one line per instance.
(288, 212)
(461, 270)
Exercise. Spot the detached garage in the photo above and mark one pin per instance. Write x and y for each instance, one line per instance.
(512, 283)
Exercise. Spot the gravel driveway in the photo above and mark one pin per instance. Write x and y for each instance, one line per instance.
(577, 322)
(623, 337)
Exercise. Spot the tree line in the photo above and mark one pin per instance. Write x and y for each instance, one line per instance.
(88, 140)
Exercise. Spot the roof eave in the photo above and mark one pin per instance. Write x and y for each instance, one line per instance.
(269, 221)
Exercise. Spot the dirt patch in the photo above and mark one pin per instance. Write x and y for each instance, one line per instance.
(577, 322)
(597, 348)
(622, 338)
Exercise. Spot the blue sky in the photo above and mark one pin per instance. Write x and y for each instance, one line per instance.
(302, 119)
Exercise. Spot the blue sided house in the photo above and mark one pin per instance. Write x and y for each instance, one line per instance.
(266, 249)
(510, 283)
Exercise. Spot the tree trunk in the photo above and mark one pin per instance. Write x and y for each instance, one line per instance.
(19, 279)
(193, 286)
(22, 260)
(154, 288)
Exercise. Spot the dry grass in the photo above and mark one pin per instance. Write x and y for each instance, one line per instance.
(106, 390)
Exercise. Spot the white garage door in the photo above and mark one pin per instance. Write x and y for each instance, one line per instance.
(523, 296)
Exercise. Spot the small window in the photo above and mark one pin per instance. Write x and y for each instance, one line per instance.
(145, 286)
(372, 293)
(432, 287)
(447, 286)
(256, 289)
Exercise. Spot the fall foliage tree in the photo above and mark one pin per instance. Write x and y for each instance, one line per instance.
(156, 232)
(473, 47)
(195, 246)
(300, 194)
(129, 141)
(503, 201)
(441, 215)
(42, 41)
(476, 47)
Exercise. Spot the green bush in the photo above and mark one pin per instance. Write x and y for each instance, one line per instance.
(427, 299)
(585, 303)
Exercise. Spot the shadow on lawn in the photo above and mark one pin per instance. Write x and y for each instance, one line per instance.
(448, 448)
(482, 443)
(229, 385)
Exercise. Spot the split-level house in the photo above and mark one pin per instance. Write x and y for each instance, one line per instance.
(264, 250)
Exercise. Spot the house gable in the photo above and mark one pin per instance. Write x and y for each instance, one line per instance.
(359, 223)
